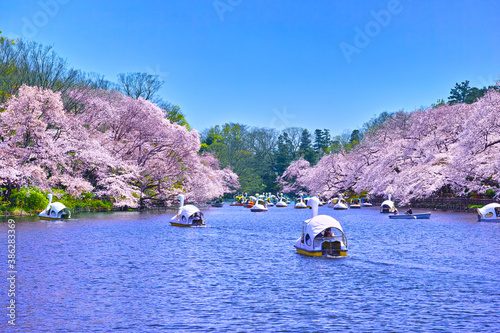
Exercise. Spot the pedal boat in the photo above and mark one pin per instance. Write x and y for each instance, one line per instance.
(188, 216)
(55, 211)
(366, 202)
(341, 203)
(355, 203)
(388, 206)
(489, 213)
(260, 206)
(281, 203)
(314, 243)
(300, 204)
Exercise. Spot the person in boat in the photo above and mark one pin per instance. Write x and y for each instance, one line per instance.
(328, 232)
(409, 211)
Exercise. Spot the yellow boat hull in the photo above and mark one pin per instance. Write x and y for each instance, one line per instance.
(180, 224)
(49, 218)
(318, 253)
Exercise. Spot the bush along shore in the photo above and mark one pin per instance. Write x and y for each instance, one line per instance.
(30, 201)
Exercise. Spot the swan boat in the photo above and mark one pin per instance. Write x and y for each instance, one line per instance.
(489, 213)
(332, 202)
(322, 235)
(300, 204)
(187, 216)
(55, 211)
(388, 206)
(341, 203)
(281, 203)
(260, 206)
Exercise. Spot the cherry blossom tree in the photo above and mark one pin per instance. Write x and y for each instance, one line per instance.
(117, 147)
(413, 155)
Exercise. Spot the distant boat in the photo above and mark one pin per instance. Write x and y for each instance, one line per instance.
(217, 202)
(187, 216)
(281, 203)
(260, 206)
(388, 206)
(300, 204)
(366, 202)
(355, 203)
(55, 211)
(341, 203)
(489, 213)
(410, 216)
(322, 235)
(332, 202)
(237, 201)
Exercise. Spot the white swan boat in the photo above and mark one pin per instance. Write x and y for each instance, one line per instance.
(55, 211)
(281, 203)
(187, 216)
(341, 203)
(260, 206)
(489, 213)
(300, 204)
(388, 206)
(322, 235)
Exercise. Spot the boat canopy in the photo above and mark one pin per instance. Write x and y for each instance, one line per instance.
(319, 223)
(57, 206)
(388, 203)
(490, 211)
(189, 210)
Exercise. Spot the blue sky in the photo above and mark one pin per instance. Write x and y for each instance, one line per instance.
(315, 64)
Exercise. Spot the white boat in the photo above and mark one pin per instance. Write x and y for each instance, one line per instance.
(332, 202)
(366, 202)
(489, 213)
(388, 206)
(410, 216)
(354, 203)
(322, 235)
(187, 216)
(341, 203)
(300, 204)
(55, 211)
(281, 203)
(260, 206)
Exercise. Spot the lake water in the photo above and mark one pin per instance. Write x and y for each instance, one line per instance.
(133, 272)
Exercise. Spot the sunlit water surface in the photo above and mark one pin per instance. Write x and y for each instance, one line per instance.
(133, 272)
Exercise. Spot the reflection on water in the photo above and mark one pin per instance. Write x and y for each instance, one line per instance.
(134, 272)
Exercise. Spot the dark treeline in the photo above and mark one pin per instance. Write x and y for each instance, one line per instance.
(260, 155)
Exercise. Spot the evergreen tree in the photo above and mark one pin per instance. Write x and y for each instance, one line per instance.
(306, 151)
(284, 153)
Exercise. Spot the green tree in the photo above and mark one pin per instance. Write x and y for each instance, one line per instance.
(284, 153)
(306, 150)
(174, 114)
(459, 93)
